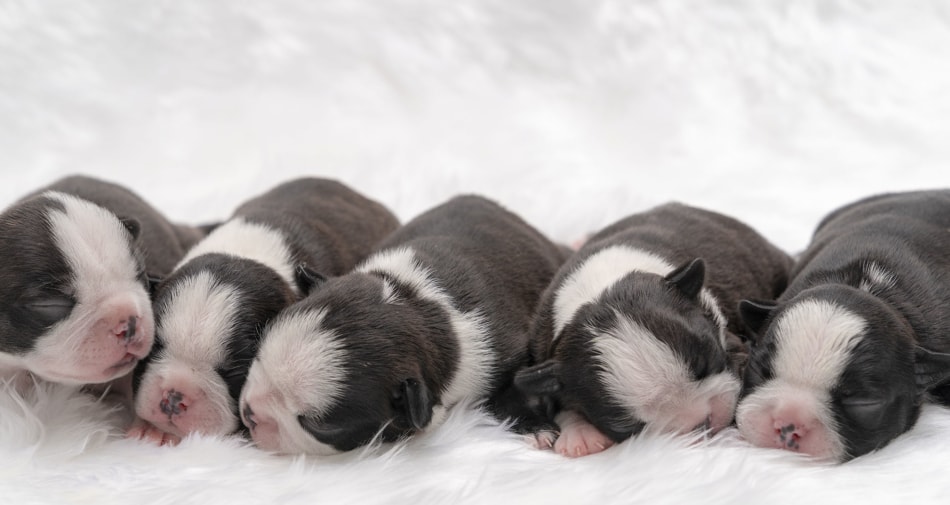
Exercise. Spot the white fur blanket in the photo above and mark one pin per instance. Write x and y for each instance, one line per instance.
(571, 113)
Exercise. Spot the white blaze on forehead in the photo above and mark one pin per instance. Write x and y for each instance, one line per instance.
(298, 370)
(646, 377)
(252, 241)
(605, 268)
(476, 359)
(814, 339)
(303, 362)
(97, 247)
(197, 316)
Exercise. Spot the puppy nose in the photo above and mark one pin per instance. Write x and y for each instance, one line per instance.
(172, 403)
(789, 436)
(130, 332)
(248, 416)
(125, 330)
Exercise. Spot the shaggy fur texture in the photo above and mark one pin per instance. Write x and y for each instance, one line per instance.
(572, 113)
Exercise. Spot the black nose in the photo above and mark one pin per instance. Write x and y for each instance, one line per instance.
(130, 329)
(249, 417)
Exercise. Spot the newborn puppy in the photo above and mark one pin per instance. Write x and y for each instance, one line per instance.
(841, 364)
(635, 328)
(77, 258)
(437, 316)
(211, 309)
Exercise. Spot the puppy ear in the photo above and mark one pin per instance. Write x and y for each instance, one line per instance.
(307, 279)
(132, 225)
(931, 368)
(541, 380)
(754, 315)
(414, 402)
(688, 278)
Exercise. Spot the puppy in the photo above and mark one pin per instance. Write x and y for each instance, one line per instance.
(437, 316)
(211, 309)
(635, 328)
(841, 364)
(77, 258)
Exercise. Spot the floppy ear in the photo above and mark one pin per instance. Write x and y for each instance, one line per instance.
(132, 225)
(542, 380)
(415, 403)
(688, 278)
(307, 279)
(754, 315)
(931, 368)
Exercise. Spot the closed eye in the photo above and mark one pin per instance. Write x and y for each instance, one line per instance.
(50, 310)
(342, 436)
(324, 432)
(866, 411)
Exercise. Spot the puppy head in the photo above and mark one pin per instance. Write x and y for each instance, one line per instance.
(341, 367)
(74, 307)
(209, 315)
(648, 351)
(832, 374)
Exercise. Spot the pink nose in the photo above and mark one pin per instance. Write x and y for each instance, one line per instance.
(173, 403)
(125, 329)
(789, 435)
(793, 433)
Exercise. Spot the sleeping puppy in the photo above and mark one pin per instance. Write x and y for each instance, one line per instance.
(211, 309)
(437, 316)
(77, 258)
(841, 364)
(635, 328)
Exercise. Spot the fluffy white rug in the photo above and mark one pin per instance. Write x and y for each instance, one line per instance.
(572, 113)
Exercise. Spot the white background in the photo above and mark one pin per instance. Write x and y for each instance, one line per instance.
(571, 113)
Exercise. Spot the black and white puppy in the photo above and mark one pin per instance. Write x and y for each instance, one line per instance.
(211, 309)
(843, 361)
(437, 316)
(74, 303)
(634, 329)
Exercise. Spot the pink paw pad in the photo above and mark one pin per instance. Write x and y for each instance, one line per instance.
(579, 437)
(541, 440)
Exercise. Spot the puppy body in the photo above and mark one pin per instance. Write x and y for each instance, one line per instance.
(437, 316)
(211, 309)
(77, 258)
(844, 359)
(635, 327)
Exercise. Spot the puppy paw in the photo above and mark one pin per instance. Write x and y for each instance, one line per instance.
(579, 437)
(542, 440)
(144, 430)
